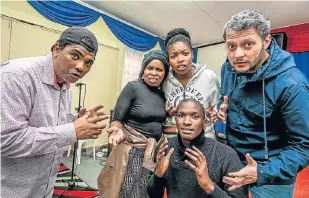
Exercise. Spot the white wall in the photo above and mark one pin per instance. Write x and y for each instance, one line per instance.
(213, 56)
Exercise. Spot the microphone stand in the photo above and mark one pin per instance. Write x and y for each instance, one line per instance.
(71, 182)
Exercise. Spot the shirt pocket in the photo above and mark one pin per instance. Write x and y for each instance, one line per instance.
(253, 114)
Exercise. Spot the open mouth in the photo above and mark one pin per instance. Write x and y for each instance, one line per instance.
(153, 79)
(76, 76)
(181, 67)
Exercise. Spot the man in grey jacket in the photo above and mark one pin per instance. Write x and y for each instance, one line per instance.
(36, 123)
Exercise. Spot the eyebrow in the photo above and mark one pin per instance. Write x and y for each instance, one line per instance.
(173, 52)
(189, 113)
(77, 51)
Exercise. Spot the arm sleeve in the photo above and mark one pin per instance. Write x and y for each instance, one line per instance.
(294, 111)
(231, 163)
(124, 103)
(221, 90)
(215, 87)
(18, 139)
(155, 186)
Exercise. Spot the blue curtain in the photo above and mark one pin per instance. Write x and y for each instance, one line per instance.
(302, 62)
(130, 36)
(68, 13)
(161, 42)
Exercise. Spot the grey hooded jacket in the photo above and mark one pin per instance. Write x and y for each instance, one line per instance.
(203, 87)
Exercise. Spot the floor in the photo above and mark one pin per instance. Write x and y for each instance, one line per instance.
(89, 169)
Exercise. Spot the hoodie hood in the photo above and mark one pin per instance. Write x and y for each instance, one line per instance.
(278, 62)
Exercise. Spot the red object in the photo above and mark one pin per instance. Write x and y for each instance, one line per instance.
(298, 37)
(76, 193)
(165, 195)
(301, 189)
(62, 168)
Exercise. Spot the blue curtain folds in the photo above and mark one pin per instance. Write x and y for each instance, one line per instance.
(68, 13)
(130, 36)
(161, 42)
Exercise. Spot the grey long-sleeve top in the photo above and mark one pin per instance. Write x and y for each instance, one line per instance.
(35, 126)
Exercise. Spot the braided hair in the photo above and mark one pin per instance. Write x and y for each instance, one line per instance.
(177, 35)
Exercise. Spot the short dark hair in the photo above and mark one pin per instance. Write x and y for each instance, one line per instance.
(177, 35)
(195, 102)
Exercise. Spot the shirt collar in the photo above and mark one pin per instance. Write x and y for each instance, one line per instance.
(49, 76)
(67, 85)
(199, 140)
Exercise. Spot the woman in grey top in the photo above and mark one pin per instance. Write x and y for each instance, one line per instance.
(186, 79)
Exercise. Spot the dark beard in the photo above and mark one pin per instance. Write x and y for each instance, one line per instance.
(257, 61)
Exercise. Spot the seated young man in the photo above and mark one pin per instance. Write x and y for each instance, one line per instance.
(191, 165)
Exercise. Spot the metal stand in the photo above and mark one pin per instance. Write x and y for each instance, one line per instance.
(71, 182)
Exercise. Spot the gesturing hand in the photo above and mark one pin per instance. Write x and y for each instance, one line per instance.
(89, 128)
(245, 176)
(94, 112)
(116, 135)
(162, 159)
(200, 168)
(222, 114)
(212, 114)
(82, 112)
(170, 110)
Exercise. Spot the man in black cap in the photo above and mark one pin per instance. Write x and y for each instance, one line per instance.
(36, 124)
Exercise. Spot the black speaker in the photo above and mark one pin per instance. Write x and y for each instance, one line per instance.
(281, 39)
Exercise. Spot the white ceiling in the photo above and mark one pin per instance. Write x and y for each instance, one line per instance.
(203, 19)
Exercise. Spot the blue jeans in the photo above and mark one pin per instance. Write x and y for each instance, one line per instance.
(273, 191)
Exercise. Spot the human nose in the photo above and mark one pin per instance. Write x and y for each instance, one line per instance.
(180, 59)
(153, 72)
(187, 120)
(80, 66)
(239, 52)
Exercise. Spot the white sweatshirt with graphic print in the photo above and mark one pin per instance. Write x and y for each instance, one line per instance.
(203, 87)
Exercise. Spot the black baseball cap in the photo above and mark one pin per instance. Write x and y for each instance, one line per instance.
(80, 36)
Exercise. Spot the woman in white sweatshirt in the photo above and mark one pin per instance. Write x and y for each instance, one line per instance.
(186, 79)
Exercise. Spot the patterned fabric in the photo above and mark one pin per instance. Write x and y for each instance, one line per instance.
(36, 125)
(136, 177)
